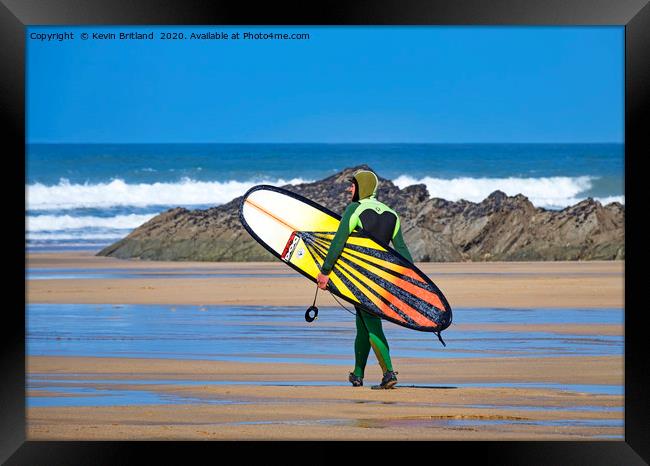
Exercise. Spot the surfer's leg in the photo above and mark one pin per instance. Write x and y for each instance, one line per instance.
(378, 341)
(361, 346)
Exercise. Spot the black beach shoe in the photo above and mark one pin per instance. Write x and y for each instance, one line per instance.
(389, 380)
(355, 380)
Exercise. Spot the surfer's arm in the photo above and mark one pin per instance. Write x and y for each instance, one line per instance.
(348, 223)
(399, 244)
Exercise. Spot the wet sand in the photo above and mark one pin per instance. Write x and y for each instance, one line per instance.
(512, 284)
(567, 370)
(545, 396)
(427, 405)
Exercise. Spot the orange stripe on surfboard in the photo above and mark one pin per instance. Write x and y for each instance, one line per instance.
(423, 294)
(389, 265)
(371, 296)
(398, 303)
(394, 300)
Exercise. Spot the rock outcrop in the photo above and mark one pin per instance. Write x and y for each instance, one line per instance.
(500, 228)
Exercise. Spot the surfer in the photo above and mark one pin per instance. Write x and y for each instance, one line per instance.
(383, 223)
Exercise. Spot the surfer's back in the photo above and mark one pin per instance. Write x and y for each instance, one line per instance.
(377, 219)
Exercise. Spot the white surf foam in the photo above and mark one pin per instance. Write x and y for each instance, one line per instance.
(72, 236)
(56, 245)
(610, 199)
(550, 192)
(66, 195)
(67, 222)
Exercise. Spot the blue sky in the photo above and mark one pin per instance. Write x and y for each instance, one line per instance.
(343, 85)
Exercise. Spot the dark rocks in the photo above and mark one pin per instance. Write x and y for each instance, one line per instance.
(499, 228)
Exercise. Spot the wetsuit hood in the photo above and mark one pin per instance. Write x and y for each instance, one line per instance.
(366, 184)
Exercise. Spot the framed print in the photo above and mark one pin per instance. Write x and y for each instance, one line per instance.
(404, 223)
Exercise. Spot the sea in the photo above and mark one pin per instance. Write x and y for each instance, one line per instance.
(87, 196)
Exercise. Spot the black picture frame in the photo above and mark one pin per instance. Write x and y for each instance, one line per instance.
(16, 15)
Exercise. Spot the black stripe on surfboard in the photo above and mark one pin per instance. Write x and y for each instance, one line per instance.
(422, 307)
(352, 249)
(392, 273)
(372, 307)
(339, 270)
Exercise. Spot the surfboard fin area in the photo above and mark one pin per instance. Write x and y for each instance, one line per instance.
(367, 274)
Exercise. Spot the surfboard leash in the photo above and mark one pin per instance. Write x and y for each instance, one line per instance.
(312, 312)
(312, 309)
(336, 299)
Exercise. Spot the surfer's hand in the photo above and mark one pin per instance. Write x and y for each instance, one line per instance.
(322, 281)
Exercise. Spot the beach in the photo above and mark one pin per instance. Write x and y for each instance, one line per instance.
(483, 284)
(130, 349)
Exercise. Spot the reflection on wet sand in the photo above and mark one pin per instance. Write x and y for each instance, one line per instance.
(504, 374)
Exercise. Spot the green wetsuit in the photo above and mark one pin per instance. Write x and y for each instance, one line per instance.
(383, 223)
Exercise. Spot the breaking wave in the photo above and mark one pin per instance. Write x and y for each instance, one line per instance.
(187, 192)
(69, 222)
(551, 192)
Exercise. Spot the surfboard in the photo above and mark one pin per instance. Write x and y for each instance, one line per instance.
(368, 274)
